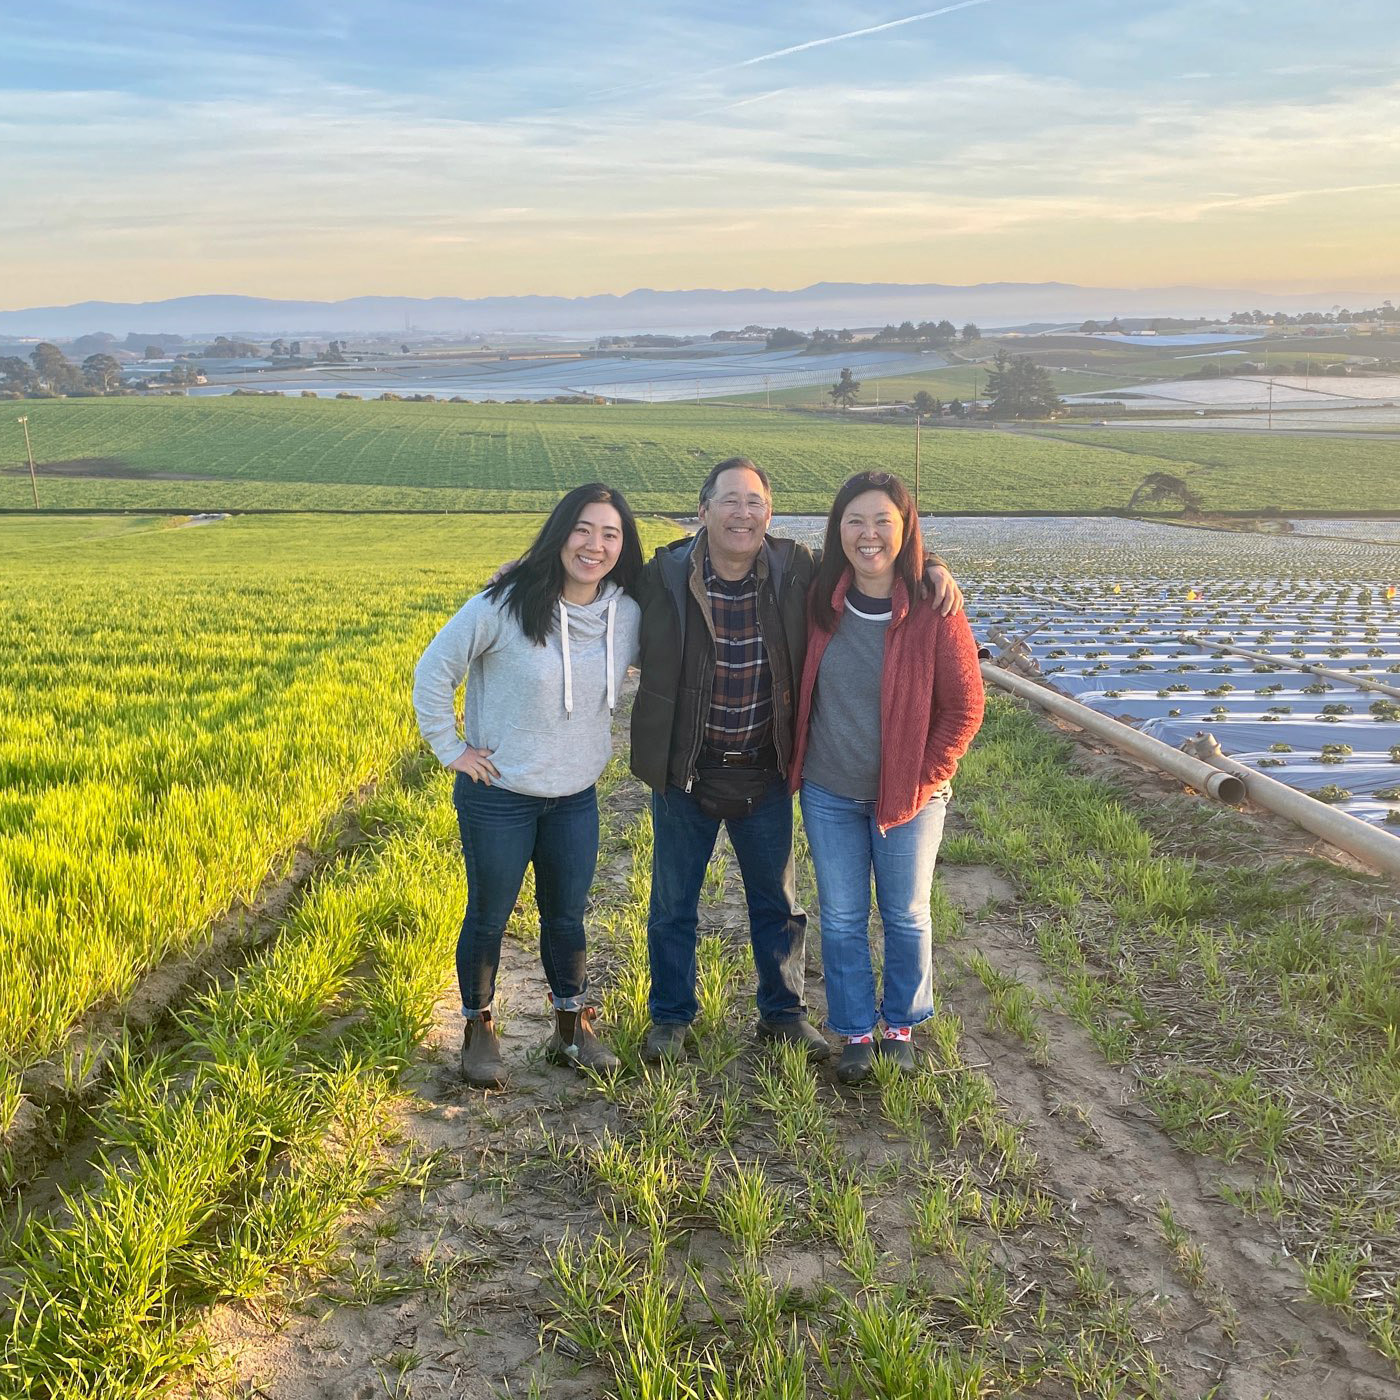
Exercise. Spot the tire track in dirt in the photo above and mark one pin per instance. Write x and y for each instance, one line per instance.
(1110, 1165)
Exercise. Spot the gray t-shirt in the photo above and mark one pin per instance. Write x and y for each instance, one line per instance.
(843, 745)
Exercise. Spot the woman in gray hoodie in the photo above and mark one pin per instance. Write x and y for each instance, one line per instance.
(543, 651)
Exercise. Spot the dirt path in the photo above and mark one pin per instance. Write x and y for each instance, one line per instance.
(447, 1289)
(1250, 1329)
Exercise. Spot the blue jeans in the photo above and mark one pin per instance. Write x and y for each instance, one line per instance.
(846, 847)
(502, 833)
(684, 841)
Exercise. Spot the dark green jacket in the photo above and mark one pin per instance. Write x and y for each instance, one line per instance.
(678, 654)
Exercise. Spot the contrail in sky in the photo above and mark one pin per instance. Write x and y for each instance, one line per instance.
(657, 83)
(859, 33)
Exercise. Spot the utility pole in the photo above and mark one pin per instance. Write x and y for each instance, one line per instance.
(29, 452)
(697, 391)
(918, 425)
(1271, 403)
(767, 390)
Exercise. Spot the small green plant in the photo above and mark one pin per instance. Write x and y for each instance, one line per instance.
(1331, 1276)
(749, 1211)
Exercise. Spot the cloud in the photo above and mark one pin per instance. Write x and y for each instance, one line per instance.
(317, 179)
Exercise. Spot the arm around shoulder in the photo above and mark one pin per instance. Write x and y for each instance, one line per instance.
(958, 696)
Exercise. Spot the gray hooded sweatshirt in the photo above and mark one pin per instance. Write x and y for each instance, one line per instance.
(544, 712)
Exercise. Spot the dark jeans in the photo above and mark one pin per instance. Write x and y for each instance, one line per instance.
(762, 841)
(502, 833)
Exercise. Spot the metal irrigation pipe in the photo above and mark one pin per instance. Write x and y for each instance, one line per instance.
(1289, 664)
(1204, 777)
(1379, 849)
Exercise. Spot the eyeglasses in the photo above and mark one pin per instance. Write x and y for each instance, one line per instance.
(734, 502)
(875, 478)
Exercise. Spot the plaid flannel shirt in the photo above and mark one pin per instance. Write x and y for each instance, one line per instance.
(741, 705)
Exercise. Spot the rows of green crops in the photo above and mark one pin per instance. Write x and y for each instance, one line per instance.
(181, 707)
(249, 453)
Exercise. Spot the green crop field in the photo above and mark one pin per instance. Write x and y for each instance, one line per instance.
(183, 706)
(289, 454)
(1149, 1150)
(1286, 470)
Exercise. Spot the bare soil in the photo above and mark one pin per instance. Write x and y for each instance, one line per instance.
(445, 1292)
(101, 469)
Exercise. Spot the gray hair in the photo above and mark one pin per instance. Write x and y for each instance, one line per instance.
(707, 490)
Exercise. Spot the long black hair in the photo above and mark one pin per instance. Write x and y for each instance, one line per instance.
(531, 590)
(908, 565)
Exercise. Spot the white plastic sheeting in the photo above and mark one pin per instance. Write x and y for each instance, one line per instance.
(1131, 620)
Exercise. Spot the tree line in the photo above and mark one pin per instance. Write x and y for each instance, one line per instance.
(906, 333)
(1017, 387)
(1337, 316)
(49, 373)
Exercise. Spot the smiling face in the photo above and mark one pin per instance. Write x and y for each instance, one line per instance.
(872, 534)
(735, 519)
(590, 551)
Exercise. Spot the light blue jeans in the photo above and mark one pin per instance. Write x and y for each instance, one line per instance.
(846, 848)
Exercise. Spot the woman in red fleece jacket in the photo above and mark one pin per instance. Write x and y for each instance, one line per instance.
(891, 697)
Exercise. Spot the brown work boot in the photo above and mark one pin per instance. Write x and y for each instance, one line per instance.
(664, 1042)
(482, 1066)
(574, 1043)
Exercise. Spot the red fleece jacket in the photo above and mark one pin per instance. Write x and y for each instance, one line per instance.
(930, 702)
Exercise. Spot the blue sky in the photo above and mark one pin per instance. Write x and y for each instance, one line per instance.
(325, 150)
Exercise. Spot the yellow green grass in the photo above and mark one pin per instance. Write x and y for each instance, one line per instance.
(185, 706)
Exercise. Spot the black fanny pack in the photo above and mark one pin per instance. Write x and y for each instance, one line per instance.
(725, 794)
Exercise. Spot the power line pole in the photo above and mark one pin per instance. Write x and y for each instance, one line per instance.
(918, 425)
(29, 452)
(1271, 403)
(768, 392)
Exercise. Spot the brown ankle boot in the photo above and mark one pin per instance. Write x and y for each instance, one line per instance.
(482, 1066)
(574, 1043)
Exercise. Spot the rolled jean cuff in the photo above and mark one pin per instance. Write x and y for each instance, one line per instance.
(475, 1015)
(569, 1003)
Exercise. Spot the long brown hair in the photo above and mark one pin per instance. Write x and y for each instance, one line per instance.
(909, 565)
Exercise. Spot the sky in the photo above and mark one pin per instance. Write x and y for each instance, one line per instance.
(331, 148)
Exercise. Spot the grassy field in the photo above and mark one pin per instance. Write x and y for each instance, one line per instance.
(1151, 1151)
(289, 454)
(1159, 1060)
(185, 707)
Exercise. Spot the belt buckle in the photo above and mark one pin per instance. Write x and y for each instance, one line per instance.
(733, 758)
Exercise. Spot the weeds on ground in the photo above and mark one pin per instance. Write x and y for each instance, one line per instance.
(1257, 1002)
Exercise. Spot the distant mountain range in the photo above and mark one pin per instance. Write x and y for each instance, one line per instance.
(829, 304)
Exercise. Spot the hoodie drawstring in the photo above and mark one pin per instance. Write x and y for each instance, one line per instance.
(568, 669)
(611, 614)
(612, 678)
